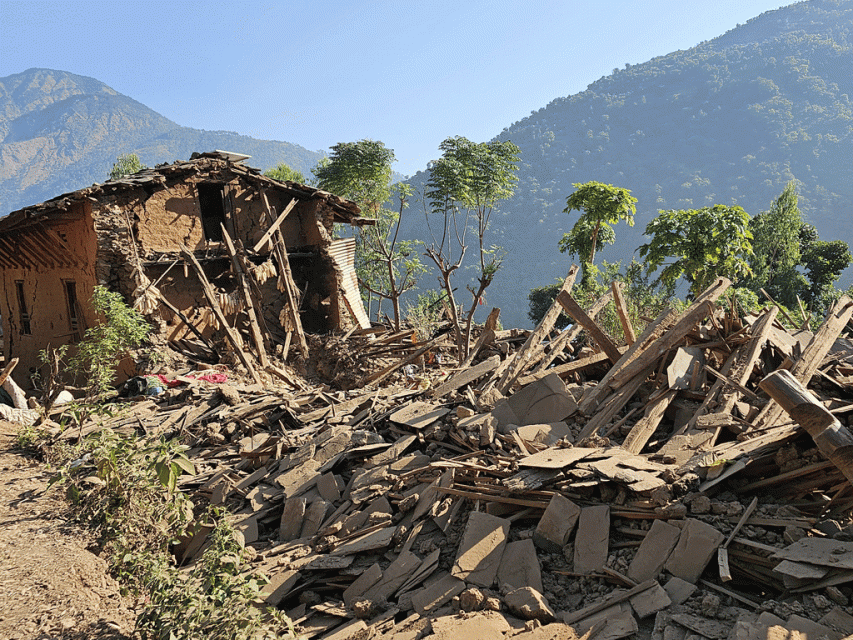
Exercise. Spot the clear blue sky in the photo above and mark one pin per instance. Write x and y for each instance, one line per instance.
(316, 73)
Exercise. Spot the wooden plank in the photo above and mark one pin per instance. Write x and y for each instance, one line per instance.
(563, 370)
(466, 376)
(210, 295)
(592, 399)
(563, 341)
(274, 226)
(522, 357)
(640, 433)
(572, 307)
(487, 336)
(186, 321)
(243, 279)
(807, 364)
(622, 311)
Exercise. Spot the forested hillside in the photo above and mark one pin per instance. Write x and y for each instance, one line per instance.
(730, 121)
(60, 131)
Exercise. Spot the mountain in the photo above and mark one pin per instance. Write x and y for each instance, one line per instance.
(730, 121)
(60, 132)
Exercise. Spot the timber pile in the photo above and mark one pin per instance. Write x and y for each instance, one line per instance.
(696, 482)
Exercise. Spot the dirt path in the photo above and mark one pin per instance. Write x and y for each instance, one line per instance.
(51, 587)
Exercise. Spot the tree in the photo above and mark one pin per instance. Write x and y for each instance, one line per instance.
(602, 205)
(473, 177)
(777, 249)
(359, 171)
(389, 266)
(824, 261)
(386, 266)
(705, 243)
(126, 165)
(284, 172)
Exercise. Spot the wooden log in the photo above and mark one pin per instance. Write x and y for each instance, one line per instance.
(806, 365)
(833, 439)
(572, 307)
(521, 361)
(622, 311)
(243, 279)
(378, 376)
(210, 295)
(466, 376)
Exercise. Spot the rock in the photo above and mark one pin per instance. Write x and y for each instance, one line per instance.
(471, 599)
(556, 525)
(529, 604)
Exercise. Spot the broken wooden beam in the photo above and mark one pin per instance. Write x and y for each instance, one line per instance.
(571, 306)
(622, 311)
(274, 226)
(230, 333)
(833, 439)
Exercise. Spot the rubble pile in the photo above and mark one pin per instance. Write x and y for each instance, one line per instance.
(693, 483)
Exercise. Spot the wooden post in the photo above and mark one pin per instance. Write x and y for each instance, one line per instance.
(522, 357)
(210, 295)
(243, 279)
(622, 310)
(833, 439)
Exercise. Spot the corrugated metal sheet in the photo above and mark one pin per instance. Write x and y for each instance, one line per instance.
(342, 253)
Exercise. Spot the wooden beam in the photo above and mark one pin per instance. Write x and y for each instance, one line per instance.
(521, 361)
(596, 333)
(563, 341)
(230, 333)
(186, 321)
(243, 279)
(487, 336)
(274, 226)
(833, 439)
(684, 325)
(807, 364)
(622, 310)
(643, 429)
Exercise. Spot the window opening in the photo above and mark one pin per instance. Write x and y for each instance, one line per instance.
(26, 329)
(73, 307)
(212, 207)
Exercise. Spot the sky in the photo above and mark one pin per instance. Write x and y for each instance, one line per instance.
(317, 73)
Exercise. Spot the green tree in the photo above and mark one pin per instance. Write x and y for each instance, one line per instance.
(602, 205)
(824, 261)
(359, 171)
(284, 172)
(387, 267)
(776, 249)
(126, 165)
(474, 178)
(703, 244)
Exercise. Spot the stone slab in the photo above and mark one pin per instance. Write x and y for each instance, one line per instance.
(520, 567)
(696, 546)
(543, 401)
(440, 592)
(481, 549)
(653, 552)
(556, 524)
(593, 539)
(362, 583)
(650, 601)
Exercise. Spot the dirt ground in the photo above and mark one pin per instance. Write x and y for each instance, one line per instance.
(51, 586)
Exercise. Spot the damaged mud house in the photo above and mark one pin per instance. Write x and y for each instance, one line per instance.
(690, 481)
(128, 234)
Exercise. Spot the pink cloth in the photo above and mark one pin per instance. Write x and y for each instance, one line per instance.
(213, 378)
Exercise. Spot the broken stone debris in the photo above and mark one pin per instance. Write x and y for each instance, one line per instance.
(399, 512)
